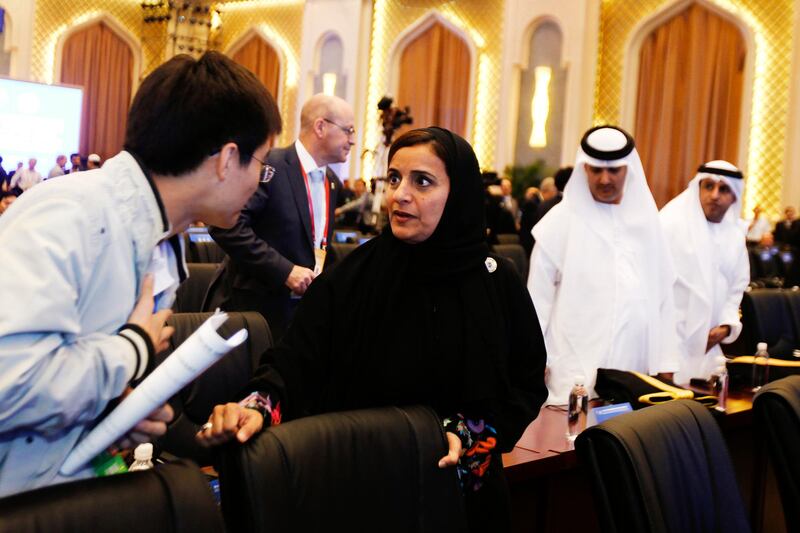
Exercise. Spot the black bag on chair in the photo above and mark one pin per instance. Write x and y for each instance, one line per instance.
(740, 369)
(641, 390)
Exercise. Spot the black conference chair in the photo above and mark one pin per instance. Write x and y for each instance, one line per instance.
(366, 470)
(204, 252)
(516, 254)
(223, 382)
(191, 293)
(766, 266)
(776, 415)
(766, 317)
(174, 497)
(664, 468)
(507, 238)
(793, 301)
(338, 251)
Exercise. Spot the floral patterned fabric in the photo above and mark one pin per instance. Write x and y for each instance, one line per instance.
(478, 439)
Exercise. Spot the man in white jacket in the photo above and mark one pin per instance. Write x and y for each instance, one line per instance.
(601, 277)
(707, 241)
(90, 263)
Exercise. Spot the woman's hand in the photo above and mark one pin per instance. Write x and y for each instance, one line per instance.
(229, 421)
(455, 452)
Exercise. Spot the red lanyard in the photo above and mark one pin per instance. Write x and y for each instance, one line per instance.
(324, 243)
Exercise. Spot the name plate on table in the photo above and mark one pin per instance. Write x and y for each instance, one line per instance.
(601, 414)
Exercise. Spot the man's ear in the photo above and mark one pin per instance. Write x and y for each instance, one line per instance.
(319, 127)
(228, 156)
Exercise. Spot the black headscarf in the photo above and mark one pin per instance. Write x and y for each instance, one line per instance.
(412, 323)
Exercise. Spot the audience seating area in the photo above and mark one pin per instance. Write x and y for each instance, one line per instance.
(203, 256)
(773, 267)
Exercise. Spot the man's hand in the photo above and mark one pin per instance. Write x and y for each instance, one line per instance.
(151, 427)
(716, 335)
(153, 323)
(229, 421)
(454, 453)
(299, 279)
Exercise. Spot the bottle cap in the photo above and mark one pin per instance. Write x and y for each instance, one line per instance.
(761, 346)
(579, 380)
(143, 452)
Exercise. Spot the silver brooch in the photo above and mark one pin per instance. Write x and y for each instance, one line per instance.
(491, 264)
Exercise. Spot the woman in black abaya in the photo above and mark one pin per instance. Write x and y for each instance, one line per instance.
(421, 314)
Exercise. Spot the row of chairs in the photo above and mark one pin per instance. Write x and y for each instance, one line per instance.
(513, 252)
(769, 267)
(282, 482)
(303, 475)
(663, 468)
(773, 266)
(204, 262)
(300, 476)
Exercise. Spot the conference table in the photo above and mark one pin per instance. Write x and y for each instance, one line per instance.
(550, 491)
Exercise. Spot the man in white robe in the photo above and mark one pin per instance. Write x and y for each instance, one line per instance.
(601, 276)
(708, 249)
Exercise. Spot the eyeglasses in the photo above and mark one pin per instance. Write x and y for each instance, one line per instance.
(348, 130)
(267, 171)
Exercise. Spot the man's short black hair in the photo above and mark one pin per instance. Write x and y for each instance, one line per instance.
(562, 177)
(187, 108)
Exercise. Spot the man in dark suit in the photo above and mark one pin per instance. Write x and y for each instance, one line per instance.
(549, 199)
(787, 230)
(278, 245)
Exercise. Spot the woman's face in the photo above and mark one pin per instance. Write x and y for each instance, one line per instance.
(417, 192)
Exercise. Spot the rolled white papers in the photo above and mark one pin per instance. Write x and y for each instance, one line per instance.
(201, 350)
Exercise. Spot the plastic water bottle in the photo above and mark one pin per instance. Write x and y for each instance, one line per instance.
(142, 458)
(577, 408)
(760, 366)
(721, 384)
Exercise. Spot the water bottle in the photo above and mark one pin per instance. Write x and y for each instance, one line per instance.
(721, 384)
(142, 457)
(760, 366)
(577, 408)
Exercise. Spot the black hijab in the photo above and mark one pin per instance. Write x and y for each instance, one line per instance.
(414, 323)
